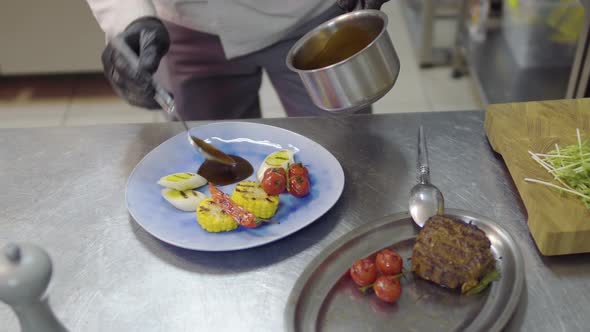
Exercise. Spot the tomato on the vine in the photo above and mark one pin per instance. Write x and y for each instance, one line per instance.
(363, 272)
(298, 169)
(389, 262)
(388, 288)
(298, 186)
(274, 181)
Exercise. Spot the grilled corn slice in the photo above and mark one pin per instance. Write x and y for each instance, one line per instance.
(213, 219)
(251, 196)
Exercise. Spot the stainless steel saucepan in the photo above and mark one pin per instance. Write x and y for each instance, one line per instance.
(358, 80)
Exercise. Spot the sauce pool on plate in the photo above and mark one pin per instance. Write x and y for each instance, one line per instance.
(222, 175)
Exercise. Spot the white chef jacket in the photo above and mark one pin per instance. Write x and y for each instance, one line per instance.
(244, 26)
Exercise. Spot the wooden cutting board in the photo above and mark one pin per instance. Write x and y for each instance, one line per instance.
(559, 223)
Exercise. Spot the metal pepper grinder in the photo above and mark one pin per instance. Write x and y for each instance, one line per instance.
(25, 272)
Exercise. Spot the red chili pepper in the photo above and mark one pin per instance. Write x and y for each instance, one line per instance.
(240, 215)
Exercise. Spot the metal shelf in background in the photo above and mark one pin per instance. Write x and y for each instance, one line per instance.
(580, 75)
(499, 77)
(420, 17)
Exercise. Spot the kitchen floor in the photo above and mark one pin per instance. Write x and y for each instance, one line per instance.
(74, 100)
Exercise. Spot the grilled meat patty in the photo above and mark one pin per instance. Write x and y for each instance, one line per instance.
(452, 253)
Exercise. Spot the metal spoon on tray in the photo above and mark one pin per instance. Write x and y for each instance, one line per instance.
(426, 200)
(166, 101)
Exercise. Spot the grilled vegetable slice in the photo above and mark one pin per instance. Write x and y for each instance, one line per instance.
(182, 181)
(186, 200)
(281, 158)
(251, 196)
(213, 219)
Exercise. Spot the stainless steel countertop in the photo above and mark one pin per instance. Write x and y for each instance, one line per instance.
(63, 188)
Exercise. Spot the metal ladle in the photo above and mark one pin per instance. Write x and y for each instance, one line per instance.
(165, 100)
(426, 200)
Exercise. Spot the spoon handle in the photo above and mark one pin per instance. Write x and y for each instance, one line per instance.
(423, 166)
(165, 100)
(161, 96)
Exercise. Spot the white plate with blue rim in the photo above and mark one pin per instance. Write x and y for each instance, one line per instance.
(252, 142)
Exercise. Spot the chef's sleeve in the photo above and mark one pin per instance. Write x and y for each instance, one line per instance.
(114, 15)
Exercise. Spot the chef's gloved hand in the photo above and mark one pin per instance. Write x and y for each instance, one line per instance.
(350, 5)
(149, 39)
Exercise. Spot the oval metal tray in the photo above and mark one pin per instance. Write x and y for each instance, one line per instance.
(324, 297)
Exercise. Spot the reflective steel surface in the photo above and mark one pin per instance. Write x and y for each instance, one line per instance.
(326, 299)
(110, 275)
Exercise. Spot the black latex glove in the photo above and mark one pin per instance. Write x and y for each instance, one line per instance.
(350, 5)
(149, 39)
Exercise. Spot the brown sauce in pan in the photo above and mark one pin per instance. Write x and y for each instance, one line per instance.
(342, 45)
(221, 175)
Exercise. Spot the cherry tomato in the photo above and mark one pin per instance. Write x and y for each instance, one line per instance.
(278, 170)
(299, 186)
(363, 272)
(388, 288)
(389, 262)
(298, 169)
(273, 183)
